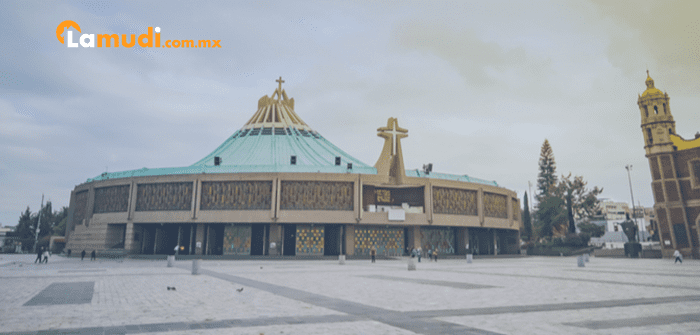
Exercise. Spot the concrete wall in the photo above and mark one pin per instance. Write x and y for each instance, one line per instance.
(92, 232)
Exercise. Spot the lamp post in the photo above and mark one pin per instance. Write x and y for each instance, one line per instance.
(38, 224)
(634, 218)
(529, 203)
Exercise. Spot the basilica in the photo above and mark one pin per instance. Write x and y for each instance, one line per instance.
(278, 188)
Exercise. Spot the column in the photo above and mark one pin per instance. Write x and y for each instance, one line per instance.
(480, 206)
(197, 190)
(495, 241)
(129, 242)
(276, 236)
(132, 200)
(90, 205)
(414, 237)
(199, 239)
(428, 202)
(462, 240)
(509, 210)
(349, 239)
(273, 202)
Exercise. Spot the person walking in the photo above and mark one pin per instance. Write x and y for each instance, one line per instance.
(435, 254)
(82, 255)
(430, 254)
(93, 256)
(420, 254)
(46, 256)
(373, 253)
(39, 252)
(679, 257)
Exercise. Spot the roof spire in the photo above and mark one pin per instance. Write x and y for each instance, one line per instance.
(649, 81)
(280, 81)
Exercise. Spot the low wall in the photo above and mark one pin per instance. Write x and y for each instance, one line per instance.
(620, 253)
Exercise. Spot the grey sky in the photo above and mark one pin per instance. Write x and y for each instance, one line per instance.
(479, 85)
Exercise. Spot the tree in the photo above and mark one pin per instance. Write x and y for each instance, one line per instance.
(527, 222)
(52, 223)
(551, 215)
(25, 229)
(561, 201)
(47, 220)
(549, 205)
(547, 177)
(580, 202)
(60, 222)
(570, 212)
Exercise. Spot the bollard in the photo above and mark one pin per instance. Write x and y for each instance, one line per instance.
(586, 257)
(580, 261)
(341, 259)
(411, 264)
(469, 258)
(196, 266)
(171, 261)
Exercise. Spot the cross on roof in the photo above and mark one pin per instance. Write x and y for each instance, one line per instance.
(280, 81)
(393, 131)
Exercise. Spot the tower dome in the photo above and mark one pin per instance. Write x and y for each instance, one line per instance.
(651, 90)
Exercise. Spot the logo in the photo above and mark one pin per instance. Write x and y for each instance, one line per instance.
(148, 40)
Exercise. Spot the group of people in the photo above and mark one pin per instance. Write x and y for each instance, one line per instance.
(93, 255)
(418, 253)
(415, 252)
(42, 255)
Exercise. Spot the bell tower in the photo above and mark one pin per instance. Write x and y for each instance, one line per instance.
(657, 121)
(671, 162)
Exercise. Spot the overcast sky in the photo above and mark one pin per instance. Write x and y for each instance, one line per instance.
(478, 84)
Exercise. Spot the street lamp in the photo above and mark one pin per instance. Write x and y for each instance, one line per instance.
(36, 234)
(634, 217)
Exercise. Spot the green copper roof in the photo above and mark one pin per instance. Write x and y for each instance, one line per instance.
(275, 139)
(446, 176)
(271, 150)
(264, 150)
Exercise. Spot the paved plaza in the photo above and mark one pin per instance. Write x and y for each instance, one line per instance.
(529, 295)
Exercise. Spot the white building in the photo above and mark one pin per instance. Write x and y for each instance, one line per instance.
(3, 233)
(616, 213)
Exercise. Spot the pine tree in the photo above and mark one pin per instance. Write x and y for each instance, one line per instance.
(551, 215)
(61, 220)
(547, 177)
(25, 229)
(47, 220)
(527, 222)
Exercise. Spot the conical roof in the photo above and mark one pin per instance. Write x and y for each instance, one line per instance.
(275, 139)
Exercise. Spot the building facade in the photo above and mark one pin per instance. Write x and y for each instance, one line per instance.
(675, 170)
(615, 213)
(277, 187)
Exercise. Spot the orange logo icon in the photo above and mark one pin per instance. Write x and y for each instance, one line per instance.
(63, 25)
